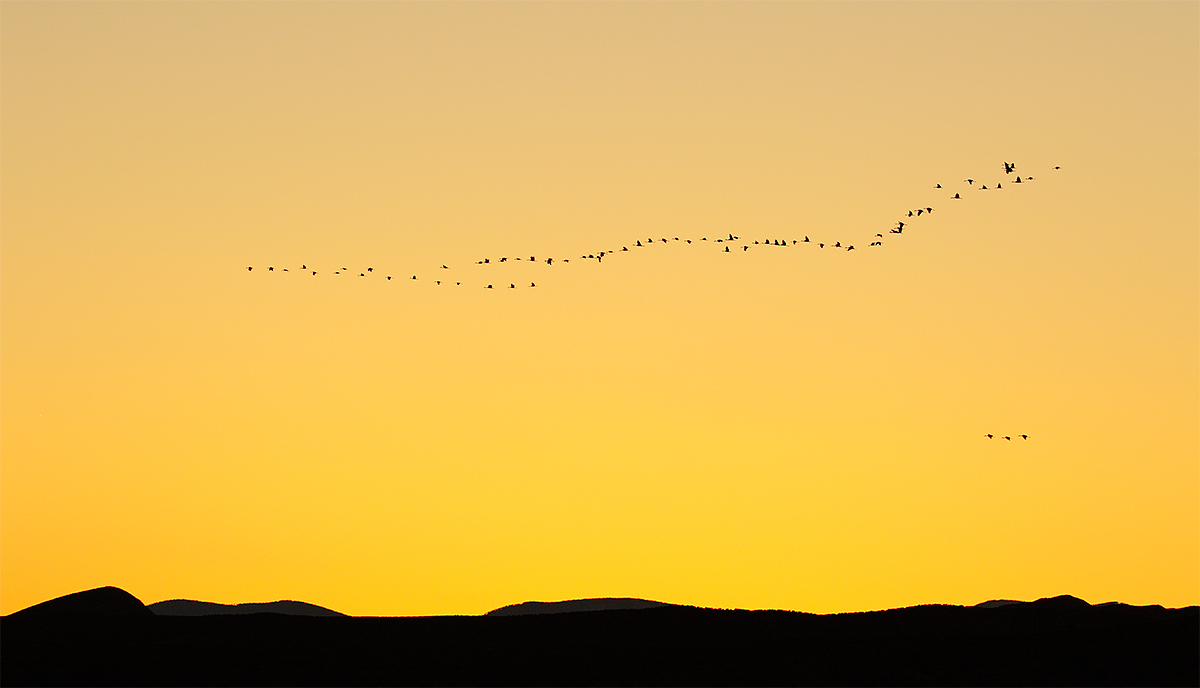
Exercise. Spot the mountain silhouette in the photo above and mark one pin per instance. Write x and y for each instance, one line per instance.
(198, 608)
(107, 637)
(106, 601)
(594, 604)
(997, 603)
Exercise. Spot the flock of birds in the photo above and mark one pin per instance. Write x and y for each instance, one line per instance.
(729, 243)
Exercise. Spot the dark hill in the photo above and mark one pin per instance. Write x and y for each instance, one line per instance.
(106, 601)
(1053, 642)
(998, 603)
(594, 604)
(197, 608)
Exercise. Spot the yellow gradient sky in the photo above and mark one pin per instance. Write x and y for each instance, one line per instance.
(794, 428)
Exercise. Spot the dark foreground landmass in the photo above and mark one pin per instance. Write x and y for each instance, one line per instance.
(1055, 641)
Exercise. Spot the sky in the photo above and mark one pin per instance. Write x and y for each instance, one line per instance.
(774, 427)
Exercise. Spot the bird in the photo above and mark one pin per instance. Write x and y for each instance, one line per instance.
(489, 286)
(303, 267)
(1018, 180)
(850, 247)
(745, 248)
(532, 284)
(955, 196)
(806, 239)
(727, 249)
(1007, 437)
(512, 286)
(1057, 167)
(389, 278)
(363, 274)
(1025, 437)
(821, 245)
(370, 269)
(929, 210)
(937, 186)
(989, 435)
(879, 235)
(969, 181)
(271, 269)
(250, 268)
(437, 281)
(315, 272)
(983, 187)
(837, 244)
(445, 268)
(1009, 167)
(414, 276)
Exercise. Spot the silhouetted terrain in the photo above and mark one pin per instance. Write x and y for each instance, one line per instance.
(1054, 641)
(594, 604)
(197, 608)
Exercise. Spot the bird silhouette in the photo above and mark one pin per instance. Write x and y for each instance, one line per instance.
(370, 269)
(1007, 437)
(271, 269)
(1025, 437)
(989, 435)
(955, 196)
(250, 268)
(445, 268)
(389, 278)
(969, 181)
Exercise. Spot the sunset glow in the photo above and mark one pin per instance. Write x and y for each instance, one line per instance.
(778, 427)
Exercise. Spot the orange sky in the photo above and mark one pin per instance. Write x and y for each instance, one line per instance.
(789, 428)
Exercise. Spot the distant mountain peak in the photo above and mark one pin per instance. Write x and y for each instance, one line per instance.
(198, 608)
(106, 601)
(593, 604)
